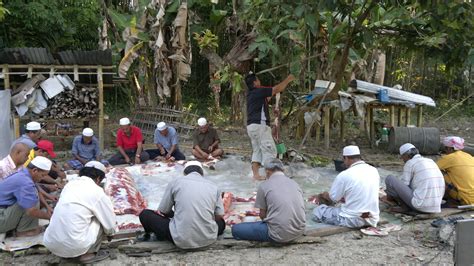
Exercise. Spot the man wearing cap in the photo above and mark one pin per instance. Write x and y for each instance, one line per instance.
(357, 188)
(129, 144)
(83, 214)
(19, 202)
(206, 142)
(85, 148)
(282, 209)
(17, 157)
(421, 186)
(458, 169)
(198, 211)
(45, 148)
(258, 120)
(31, 136)
(166, 140)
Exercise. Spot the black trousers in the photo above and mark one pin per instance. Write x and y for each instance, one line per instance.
(154, 223)
(177, 154)
(117, 158)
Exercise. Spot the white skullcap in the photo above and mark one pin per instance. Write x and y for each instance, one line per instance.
(87, 132)
(191, 163)
(124, 121)
(202, 121)
(33, 126)
(350, 150)
(42, 163)
(97, 165)
(456, 142)
(406, 147)
(161, 126)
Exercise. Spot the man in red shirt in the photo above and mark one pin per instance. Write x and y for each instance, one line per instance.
(129, 144)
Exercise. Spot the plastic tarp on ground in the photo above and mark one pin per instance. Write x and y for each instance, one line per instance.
(5, 123)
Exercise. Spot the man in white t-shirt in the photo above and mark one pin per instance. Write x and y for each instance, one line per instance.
(357, 188)
(421, 186)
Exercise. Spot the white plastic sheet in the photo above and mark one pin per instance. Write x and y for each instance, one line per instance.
(6, 134)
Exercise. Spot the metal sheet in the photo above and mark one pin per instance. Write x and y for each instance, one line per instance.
(463, 247)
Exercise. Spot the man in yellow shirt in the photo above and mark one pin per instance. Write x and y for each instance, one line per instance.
(458, 169)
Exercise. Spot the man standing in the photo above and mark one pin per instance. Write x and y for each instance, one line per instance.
(282, 209)
(358, 190)
(198, 211)
(458, 168)
(206, 142)
(19, 202)
(421, 187)
(31, 136)
(258, 120)
(166, 140)
(129, 144)
(84, 213)
(85, 148)
(17, 157)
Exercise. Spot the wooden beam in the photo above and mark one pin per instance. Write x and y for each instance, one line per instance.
(326, 126)
(407, 116)
(399, 120)
(372, 127)
(392, 115)
(100, 82)
(30, 72)
(6, 77)
(61, 66)
(419, 120)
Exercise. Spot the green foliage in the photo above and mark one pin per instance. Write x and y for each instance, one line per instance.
(206, 40)
(3, 11)
(227, 75)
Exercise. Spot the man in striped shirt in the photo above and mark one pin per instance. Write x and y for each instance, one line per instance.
(421, 186)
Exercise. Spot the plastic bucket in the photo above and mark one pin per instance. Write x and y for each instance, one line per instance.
(281, 148)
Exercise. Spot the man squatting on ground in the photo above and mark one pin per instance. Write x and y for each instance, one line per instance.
(129, 145)
(166, 140)
(258, 119)
(83, 215)
(197, 219)
(282, 209)
(458, 169)
(19, 202)
(421, 186)
(357, 188)
(206, 142)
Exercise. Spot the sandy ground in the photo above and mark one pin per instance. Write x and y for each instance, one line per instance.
(417, 242)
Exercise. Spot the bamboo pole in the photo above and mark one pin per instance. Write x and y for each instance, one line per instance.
(399, 120)
(372, 126)
(100, 82)
(407, 116)
(392, 115)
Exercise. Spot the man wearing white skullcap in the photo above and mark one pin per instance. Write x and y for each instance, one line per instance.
(458, 169)
(198, 213)
(166, 140)
(32, 135)
(357, 188)
(82, 216)
(19, 201)
(85, 148)
(421, 186)
(206, 142)
(129, 145)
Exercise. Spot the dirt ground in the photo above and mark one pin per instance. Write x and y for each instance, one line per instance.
(417, 242)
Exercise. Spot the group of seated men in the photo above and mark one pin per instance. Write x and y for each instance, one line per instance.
(83, 215)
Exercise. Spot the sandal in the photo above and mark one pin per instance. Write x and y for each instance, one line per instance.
(372, 231)
(99, 256)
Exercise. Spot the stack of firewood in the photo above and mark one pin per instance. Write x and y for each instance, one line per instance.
(77, 103)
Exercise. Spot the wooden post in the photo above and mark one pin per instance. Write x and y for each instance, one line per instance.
(419, 120)
(342, 129)
(392, 115)
(30, 72)
(372, 126)
(100, 82)
(326, 126)
(6, 77)
(6, 84)
(318, 131)
(399, 122)
(407, 116)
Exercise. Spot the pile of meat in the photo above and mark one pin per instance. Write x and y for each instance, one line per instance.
(123, 192)
(239, 209)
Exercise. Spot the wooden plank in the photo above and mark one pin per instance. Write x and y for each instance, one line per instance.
(407, 116)
(326, 126)
(100, 82)
(399, 120)
(6, 77)
(392, 116)
(419, 120)
(61, 66)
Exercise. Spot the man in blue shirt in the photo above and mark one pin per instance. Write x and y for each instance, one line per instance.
(85, 148)
(19, 202)
(166, 140)
(31, 136)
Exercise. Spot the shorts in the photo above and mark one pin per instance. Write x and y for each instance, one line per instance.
(263, 145)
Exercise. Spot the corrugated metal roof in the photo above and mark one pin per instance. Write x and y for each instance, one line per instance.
(41, 56)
